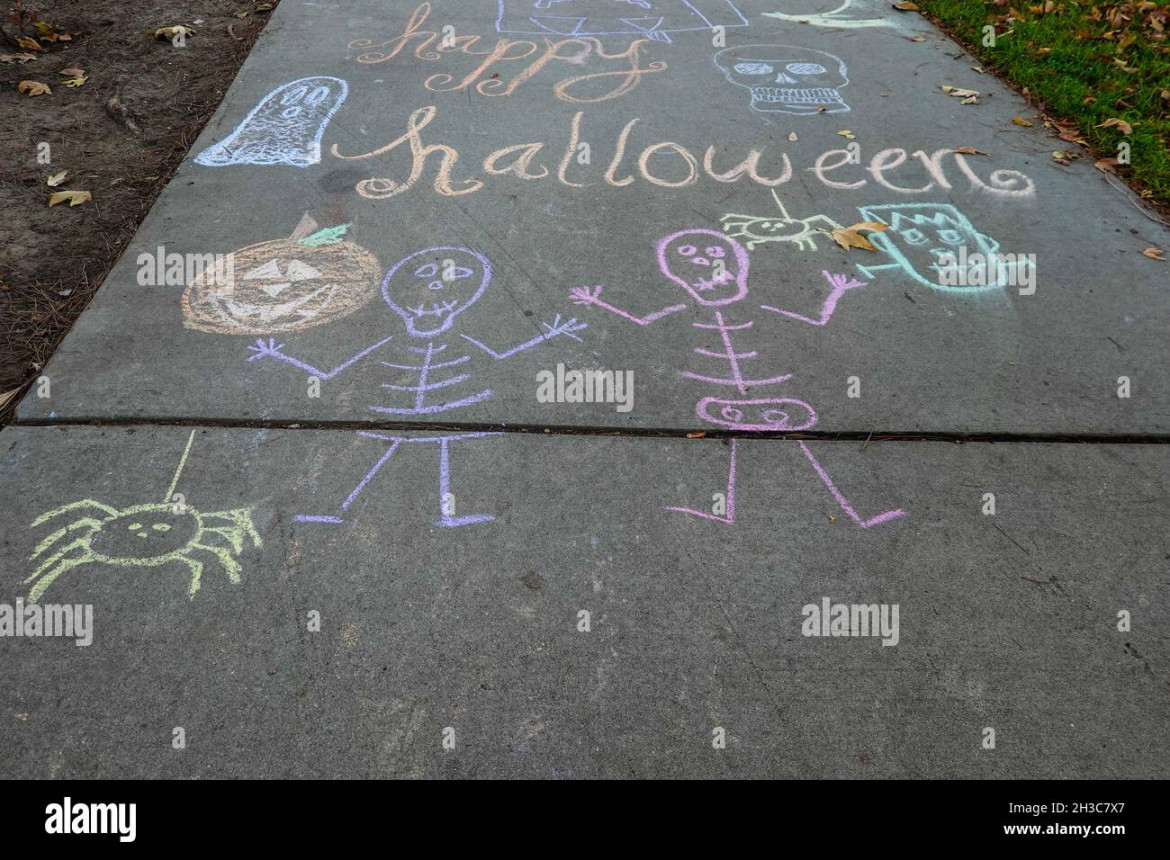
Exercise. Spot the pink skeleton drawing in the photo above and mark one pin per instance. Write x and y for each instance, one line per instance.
(428, 290)
(713, 269)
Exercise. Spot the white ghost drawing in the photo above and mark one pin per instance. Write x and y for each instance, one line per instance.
(285, 128)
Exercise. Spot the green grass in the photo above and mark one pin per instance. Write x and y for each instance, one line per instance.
(1079, 78)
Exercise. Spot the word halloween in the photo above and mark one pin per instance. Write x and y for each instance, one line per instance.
(521, 160)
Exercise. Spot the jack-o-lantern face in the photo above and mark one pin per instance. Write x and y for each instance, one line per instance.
(282, 286)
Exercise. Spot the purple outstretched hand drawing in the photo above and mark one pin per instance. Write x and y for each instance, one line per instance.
(713, 270)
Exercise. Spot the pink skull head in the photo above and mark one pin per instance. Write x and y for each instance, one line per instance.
(710, 266)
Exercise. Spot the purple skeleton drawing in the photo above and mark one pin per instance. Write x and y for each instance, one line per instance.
(428, 290)
(713, 269)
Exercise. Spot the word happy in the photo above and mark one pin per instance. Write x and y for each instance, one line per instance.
(858, 619)
(666, 164)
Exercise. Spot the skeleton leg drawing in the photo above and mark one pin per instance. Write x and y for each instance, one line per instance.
(447, 517)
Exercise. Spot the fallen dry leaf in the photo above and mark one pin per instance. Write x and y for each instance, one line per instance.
(970, 150)
(72, 73)
(74, 82)
(698, 435)
(848, 134)
(850, 237)
(1107, 165)
(906, 6)
(916, 38)
(169, 33)
(792, 135)
(34, 88)
(1019, 120)
(6, 396)
(1122, 126)
(16, 58)
(1065, 156)
(56, 179)
(29, 44)
(1152, 253)
(75, 198)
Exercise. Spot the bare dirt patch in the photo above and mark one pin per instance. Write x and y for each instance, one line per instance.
(120, 135)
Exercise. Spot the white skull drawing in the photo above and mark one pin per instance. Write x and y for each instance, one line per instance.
(786, 79)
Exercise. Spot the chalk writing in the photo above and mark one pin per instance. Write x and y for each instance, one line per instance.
(922, 241)
(428, 290)
(786, 79)
(838, 19)
(756, 230)
(143, 536)
(285, 285)
(666, 164)
(654, 19)
(285, 128)
(713, 271)
(583, 88)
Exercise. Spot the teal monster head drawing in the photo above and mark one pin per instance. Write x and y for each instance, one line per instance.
(925, 239)
(142, 536)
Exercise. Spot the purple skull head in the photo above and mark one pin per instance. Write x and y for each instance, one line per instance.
(430, 288)
(710, 266)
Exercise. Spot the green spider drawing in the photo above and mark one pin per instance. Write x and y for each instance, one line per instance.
(148, 535)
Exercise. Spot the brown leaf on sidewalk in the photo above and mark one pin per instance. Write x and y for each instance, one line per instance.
(969, 150)
(1154, 254)
(906, 6)
(1107, 165)
(1020, 121)
(850, 237)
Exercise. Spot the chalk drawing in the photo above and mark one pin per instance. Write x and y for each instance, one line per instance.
(786, 79)
(143, 536)
(713, 270)
(799, 231)
(921, 236)
(285, 128)
(576, 51)
(285, 285)
(428, 290)
(656, 20)
(839, 19)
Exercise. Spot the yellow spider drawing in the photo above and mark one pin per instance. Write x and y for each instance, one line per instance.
(147, 535)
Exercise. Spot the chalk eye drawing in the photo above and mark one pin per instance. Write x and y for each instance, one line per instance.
(713, 271)
(798, 231)
(923, 235)
(285, 285)
(285, 128)
(838, 19)
(656, 20)
(428, 290)
(142, 536)
(786, 79)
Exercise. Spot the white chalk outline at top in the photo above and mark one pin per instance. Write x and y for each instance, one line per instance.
(313, 150)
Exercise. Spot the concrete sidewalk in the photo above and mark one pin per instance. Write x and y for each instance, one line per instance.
(436, 216)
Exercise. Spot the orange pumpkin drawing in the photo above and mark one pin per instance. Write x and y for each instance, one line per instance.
(284, 285)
